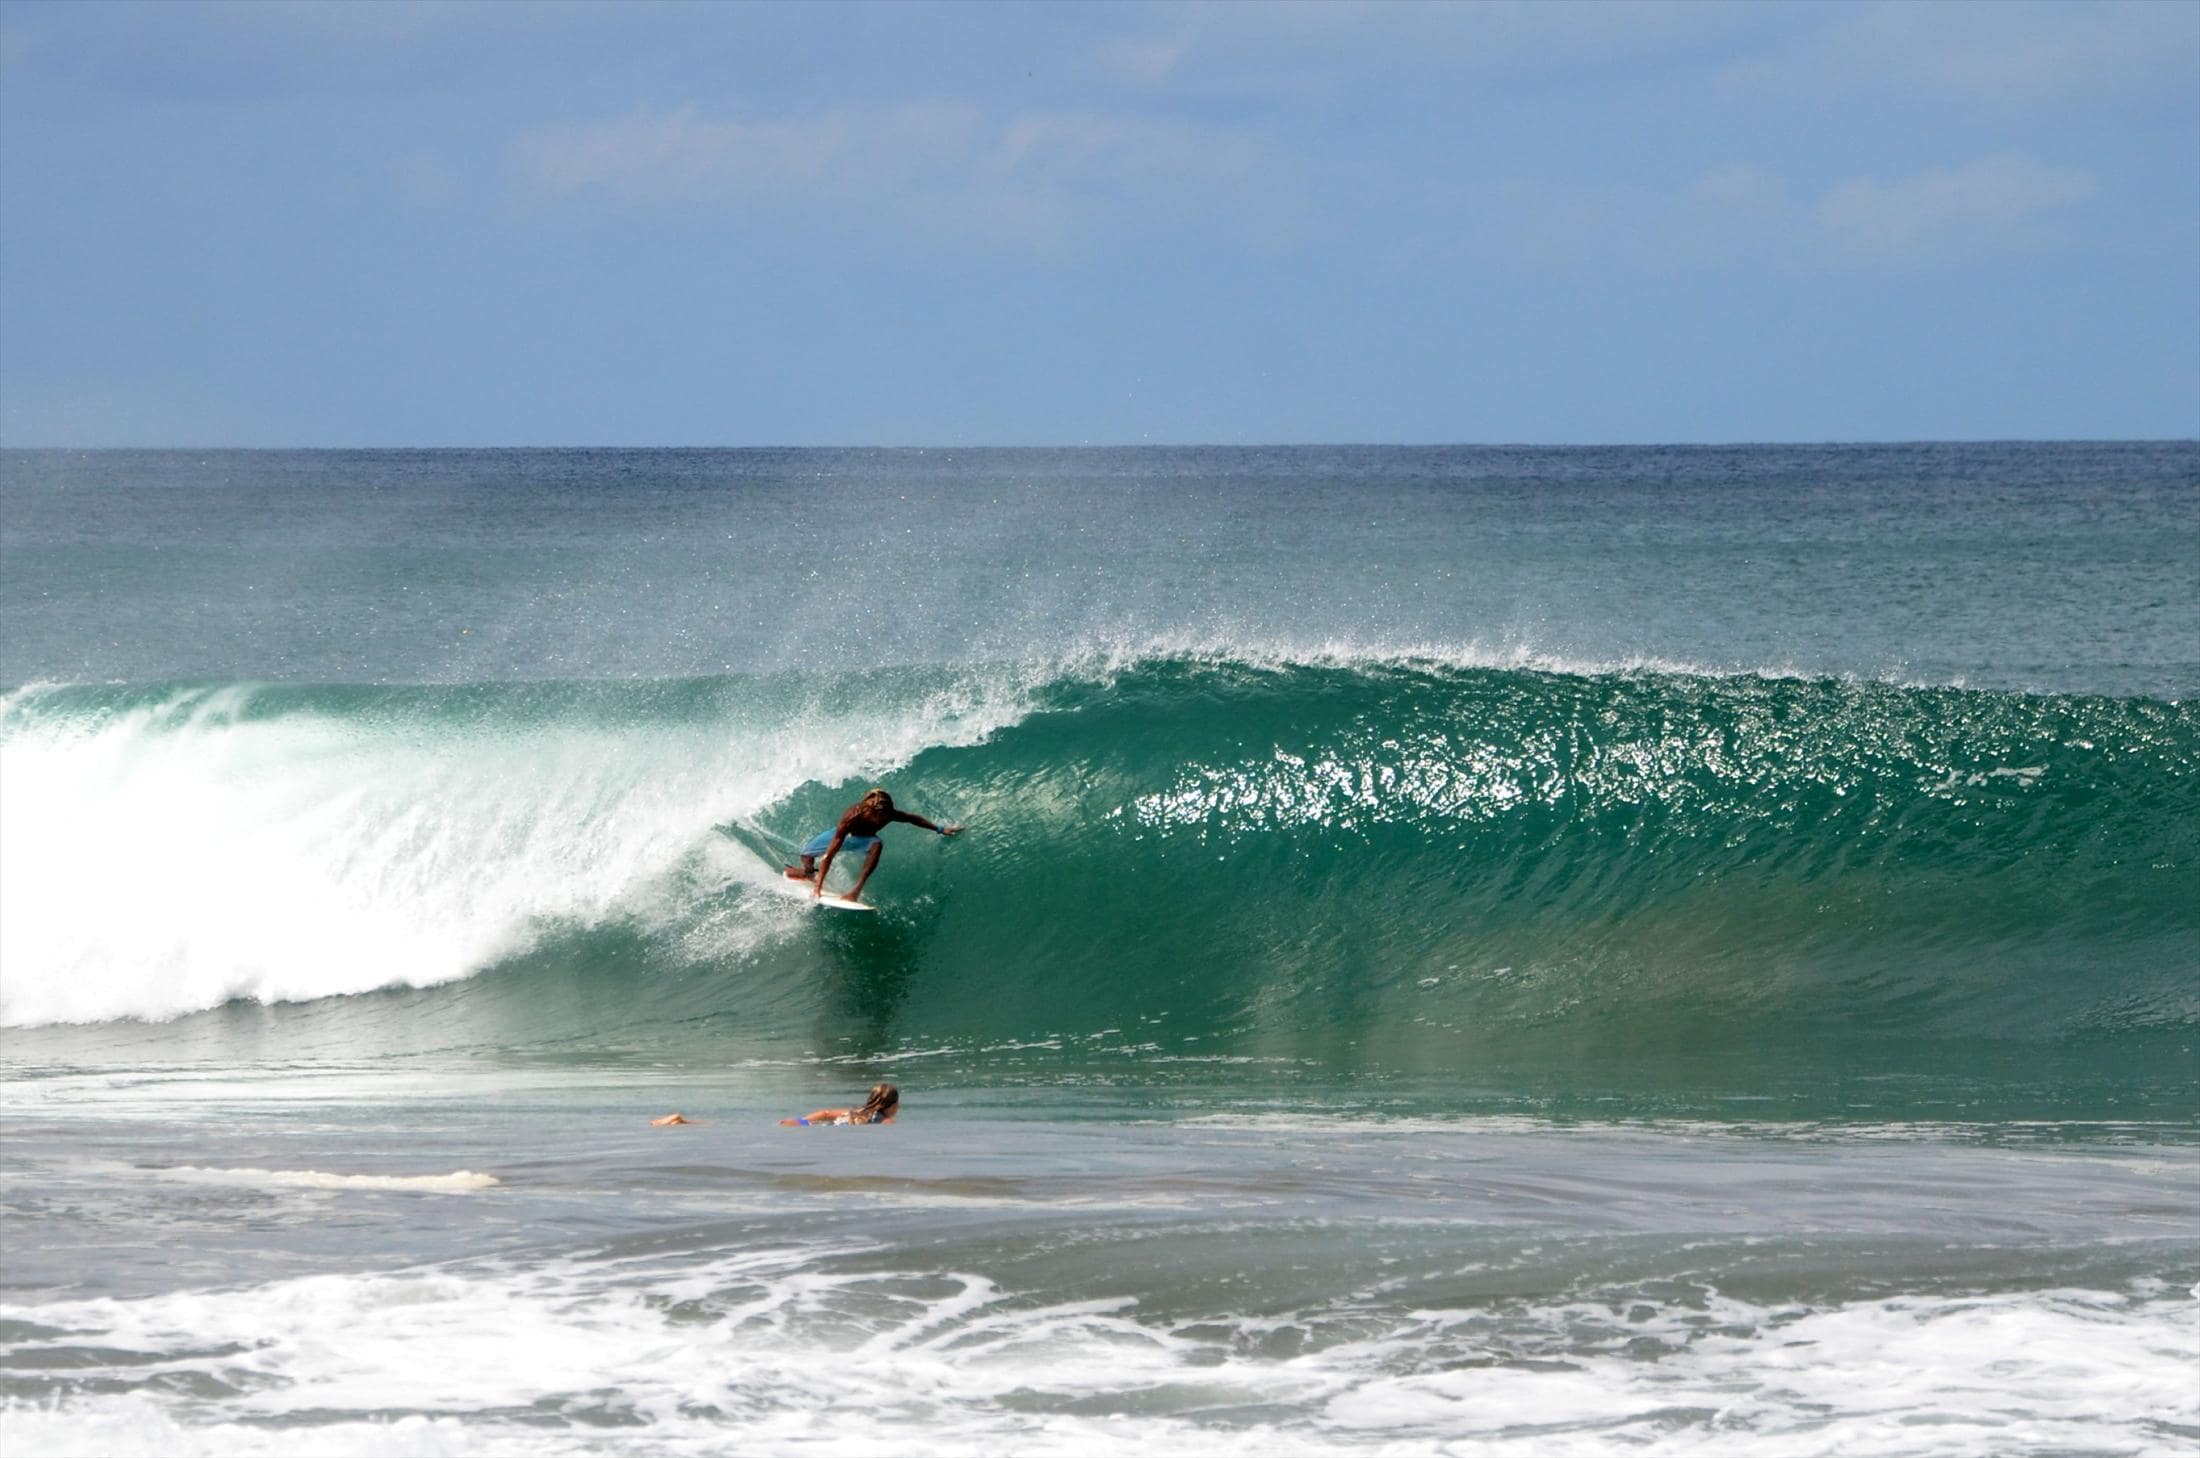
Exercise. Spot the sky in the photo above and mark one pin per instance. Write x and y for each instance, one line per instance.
(691, 224)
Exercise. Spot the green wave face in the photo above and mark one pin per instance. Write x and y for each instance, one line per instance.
(1468, 877)
(1427, 860)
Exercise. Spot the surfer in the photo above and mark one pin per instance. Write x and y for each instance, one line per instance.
(879, 1108)
(858, 829)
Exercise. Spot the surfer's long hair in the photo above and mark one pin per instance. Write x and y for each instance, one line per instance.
(879, 1107)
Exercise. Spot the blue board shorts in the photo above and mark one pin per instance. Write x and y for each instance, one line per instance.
(824, 839)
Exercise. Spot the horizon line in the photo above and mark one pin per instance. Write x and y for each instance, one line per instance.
(1736, 444)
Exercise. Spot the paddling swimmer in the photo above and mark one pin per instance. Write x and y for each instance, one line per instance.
(879, 1108)
(858, 829)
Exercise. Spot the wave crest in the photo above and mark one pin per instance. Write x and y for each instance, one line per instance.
(1285, 855)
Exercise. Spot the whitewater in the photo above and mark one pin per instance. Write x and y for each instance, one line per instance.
(1456, 950)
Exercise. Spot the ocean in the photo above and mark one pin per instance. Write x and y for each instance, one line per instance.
(1454, 951)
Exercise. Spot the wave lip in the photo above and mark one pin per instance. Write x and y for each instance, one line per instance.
(169, 848)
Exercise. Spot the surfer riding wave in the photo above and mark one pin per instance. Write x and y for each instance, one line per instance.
(857, 830)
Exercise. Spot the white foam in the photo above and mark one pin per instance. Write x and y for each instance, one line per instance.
(792, 1351)
(137, 1427)
(458, 1181)
(171, 857)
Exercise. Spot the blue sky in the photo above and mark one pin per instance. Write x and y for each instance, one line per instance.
(933, 224)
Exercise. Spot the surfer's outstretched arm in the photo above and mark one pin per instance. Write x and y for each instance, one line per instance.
(918, 820)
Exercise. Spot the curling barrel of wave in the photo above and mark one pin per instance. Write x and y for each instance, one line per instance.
(1401, 861)
(1429, 856)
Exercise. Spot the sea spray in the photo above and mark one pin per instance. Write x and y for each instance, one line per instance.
(168, 848)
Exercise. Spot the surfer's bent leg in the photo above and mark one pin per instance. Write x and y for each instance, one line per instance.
(809, 854)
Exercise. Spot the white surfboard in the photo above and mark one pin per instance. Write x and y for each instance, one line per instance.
(777, 852)
(800, 891)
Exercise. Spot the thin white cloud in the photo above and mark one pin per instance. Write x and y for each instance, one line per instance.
(1988, 206)
(684, 155)
(1147, 62)
(1750, 217)
(942, 169)
(1997, 55)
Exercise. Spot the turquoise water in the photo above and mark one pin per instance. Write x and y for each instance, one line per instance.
(1666, 888)
(1454, 950)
